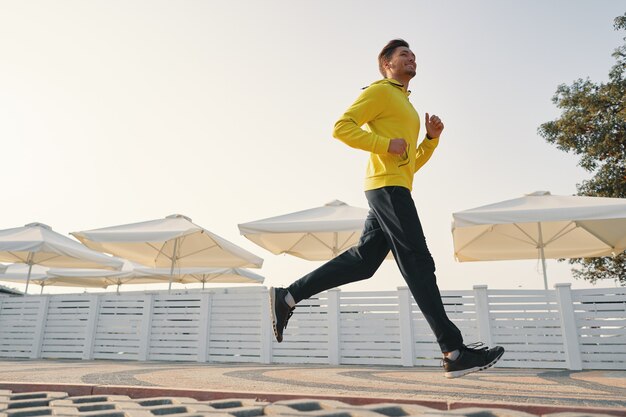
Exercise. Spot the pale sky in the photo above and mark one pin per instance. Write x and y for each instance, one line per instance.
(114, 112)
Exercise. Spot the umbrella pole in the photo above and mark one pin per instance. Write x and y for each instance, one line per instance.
(169, 289)
(30, 268)
(543, 258)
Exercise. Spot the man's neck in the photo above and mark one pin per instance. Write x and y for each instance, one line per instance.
(402, 80)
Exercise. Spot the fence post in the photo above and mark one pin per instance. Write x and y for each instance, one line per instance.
(146, 324)
(568, 324)
(91, 326)
(267, 333)
(334, 336)
(406, 327)
(40, 326)
(203, 327)
(481, 300)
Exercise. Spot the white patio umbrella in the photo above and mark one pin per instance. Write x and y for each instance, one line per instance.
(75, 277)
(204, 275)
(172, 242)
(19, 273)
(100, 278)
(44, 276)
(130, 274)
(315, 234)
(541, 226)
(38, 244)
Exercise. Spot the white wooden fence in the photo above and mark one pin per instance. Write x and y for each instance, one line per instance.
(560, 328)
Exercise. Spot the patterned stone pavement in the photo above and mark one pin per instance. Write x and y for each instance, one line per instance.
(530, 390)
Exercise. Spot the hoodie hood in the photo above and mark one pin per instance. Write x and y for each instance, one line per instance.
(391, 81)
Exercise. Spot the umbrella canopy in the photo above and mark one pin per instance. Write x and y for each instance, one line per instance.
(541, 225)
(204, 275)
(173, 242)
(131, 274)
(45, 276)
(38, 244)
(316, 234)
(98, 278)
(76, 277)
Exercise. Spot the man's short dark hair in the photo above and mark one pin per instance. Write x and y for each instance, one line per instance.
(385, 54)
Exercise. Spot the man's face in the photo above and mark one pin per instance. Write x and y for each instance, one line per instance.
(402, 63)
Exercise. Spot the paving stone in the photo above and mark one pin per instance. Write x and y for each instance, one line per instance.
(334, 413)
(52, 395)
(317, 408)
(108, 413)
(29, 399)
(89, 404)
(251, 411)
(312, 405)
(305, 405)
(32, 403)
(156, 401)
(89, 399)
(478, 412)
(239, 407)
(576, 414)
(28, 412)
(67, 412)
(392, 410)
(233, 403)
(74, 410)
(163, 406)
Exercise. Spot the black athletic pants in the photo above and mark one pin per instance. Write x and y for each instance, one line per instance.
(392, 224)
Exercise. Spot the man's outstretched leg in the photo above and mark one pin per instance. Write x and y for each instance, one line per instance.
(355, 264)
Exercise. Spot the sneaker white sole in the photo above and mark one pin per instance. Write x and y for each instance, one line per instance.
(273, 313)
(457, 374)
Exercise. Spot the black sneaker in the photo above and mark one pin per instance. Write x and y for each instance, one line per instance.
(472, 358)
(280, 310)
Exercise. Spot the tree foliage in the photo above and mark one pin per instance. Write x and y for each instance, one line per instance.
(593, 125)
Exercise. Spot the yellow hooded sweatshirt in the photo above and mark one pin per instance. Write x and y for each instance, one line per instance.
(385, 107)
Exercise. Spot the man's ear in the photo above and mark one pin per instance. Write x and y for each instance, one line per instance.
(386, 66)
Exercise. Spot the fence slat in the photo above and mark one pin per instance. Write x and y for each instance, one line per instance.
(40, 327)
(406, 328)
(333, 323)
(568, 323)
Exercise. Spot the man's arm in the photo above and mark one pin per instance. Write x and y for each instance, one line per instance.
(366, 108)
(424, 152)
(434, 128)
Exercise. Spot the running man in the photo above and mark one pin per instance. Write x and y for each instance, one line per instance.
(392, 222)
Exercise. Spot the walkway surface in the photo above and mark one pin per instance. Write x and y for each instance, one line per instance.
(534, 391)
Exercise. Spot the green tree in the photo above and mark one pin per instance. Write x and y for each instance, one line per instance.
(593, 125)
